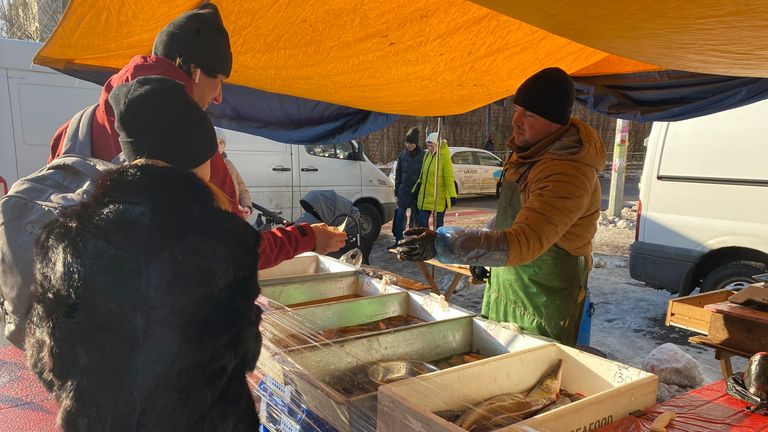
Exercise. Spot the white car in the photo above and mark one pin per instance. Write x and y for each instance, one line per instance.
(475, 171)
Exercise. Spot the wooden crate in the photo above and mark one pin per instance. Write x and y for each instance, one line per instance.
(738, 327)
(689, 313)
(612, 391)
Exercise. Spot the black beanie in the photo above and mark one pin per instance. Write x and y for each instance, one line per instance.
(412, 136)
(157, 119)
(199, 38)
(548, 93)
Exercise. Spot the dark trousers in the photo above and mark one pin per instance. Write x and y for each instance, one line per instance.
(398, 223)
(423, 218)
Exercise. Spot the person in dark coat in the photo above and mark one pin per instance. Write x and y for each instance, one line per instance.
(406, 174)
(143, 315)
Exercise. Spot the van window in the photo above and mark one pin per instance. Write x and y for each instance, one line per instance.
(488, 160)
(462, 158)
(345, 150)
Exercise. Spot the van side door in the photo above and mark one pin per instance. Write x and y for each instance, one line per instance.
(41, 101)
(265, 166)
(8, 173)
(335, 167)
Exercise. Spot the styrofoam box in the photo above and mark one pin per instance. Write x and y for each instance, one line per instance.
(612, 391)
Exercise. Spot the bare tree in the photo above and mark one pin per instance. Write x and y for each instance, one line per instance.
(30, 19)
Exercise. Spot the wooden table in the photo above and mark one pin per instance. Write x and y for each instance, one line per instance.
(429, 275)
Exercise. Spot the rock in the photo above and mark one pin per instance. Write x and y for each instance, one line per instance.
(673, 366)
(621, 224)
(668, 391)
(599, 263)
(631, 224)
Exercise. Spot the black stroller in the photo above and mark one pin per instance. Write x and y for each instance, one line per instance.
(323, 206)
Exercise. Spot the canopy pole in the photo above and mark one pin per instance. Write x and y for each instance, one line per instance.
(437, 169)
(616, 197)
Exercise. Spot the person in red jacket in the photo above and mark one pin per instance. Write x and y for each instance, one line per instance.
(194, 49)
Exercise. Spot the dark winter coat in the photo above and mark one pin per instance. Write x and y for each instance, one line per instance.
(143, 313)
(406, 175)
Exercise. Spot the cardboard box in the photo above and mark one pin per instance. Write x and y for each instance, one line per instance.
(612, 391)
(689, 313)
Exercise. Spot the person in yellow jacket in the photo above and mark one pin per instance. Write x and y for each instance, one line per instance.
(426, 202)
(540, 247)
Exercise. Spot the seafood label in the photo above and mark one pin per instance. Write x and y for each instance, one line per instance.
(597, 424)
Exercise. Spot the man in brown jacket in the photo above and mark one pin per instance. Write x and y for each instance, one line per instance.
(549, 202)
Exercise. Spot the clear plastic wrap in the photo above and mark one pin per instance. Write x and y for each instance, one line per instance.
(471, 246)
(348, 360)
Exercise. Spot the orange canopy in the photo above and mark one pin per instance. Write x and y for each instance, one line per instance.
(428, 57)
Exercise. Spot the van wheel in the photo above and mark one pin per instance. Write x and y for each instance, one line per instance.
(733, 275)
(370, 221)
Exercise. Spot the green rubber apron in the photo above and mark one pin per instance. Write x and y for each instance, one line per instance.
(545, 296)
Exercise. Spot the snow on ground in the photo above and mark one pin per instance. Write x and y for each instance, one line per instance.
(629, 317)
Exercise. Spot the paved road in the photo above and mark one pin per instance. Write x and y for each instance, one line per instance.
(631, 195)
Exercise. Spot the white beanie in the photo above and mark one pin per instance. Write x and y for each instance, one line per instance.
(432, 137)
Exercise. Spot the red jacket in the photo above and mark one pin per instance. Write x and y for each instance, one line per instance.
(276, 245)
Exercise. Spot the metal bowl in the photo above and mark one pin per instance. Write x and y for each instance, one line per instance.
(396, 370)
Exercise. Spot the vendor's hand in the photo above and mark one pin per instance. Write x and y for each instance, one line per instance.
(246, 211)
(479, 273)
(419, 245)
(328, 239)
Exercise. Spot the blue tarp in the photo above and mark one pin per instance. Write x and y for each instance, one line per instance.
(291, 119)
(281, 118)
(667, 95)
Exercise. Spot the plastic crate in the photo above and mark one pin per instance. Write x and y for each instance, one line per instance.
(288, 415)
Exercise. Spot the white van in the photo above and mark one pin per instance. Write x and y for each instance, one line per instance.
(278, 175)
(703, 212)
(35, 101)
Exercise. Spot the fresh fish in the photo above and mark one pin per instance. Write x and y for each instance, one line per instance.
(549, 385)
(509, 408)
(512, 407)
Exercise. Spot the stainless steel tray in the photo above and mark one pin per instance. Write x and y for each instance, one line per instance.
(311, 370)
(307, 266)
(307, 321)
(277, 296)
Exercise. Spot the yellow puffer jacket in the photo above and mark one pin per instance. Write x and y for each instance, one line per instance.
(446, 188)
(559, 192)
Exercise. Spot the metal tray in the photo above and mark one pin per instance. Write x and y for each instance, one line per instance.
(308, 321)
(311, 369)
(307, 266)
(322, 290)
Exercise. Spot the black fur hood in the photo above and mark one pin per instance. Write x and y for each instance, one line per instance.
(143, 313)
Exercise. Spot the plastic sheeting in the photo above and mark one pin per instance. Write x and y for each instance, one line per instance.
(706, 409)
(24, 403)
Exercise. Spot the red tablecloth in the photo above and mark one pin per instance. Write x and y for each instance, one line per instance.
(25, 406)
(705, 409)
